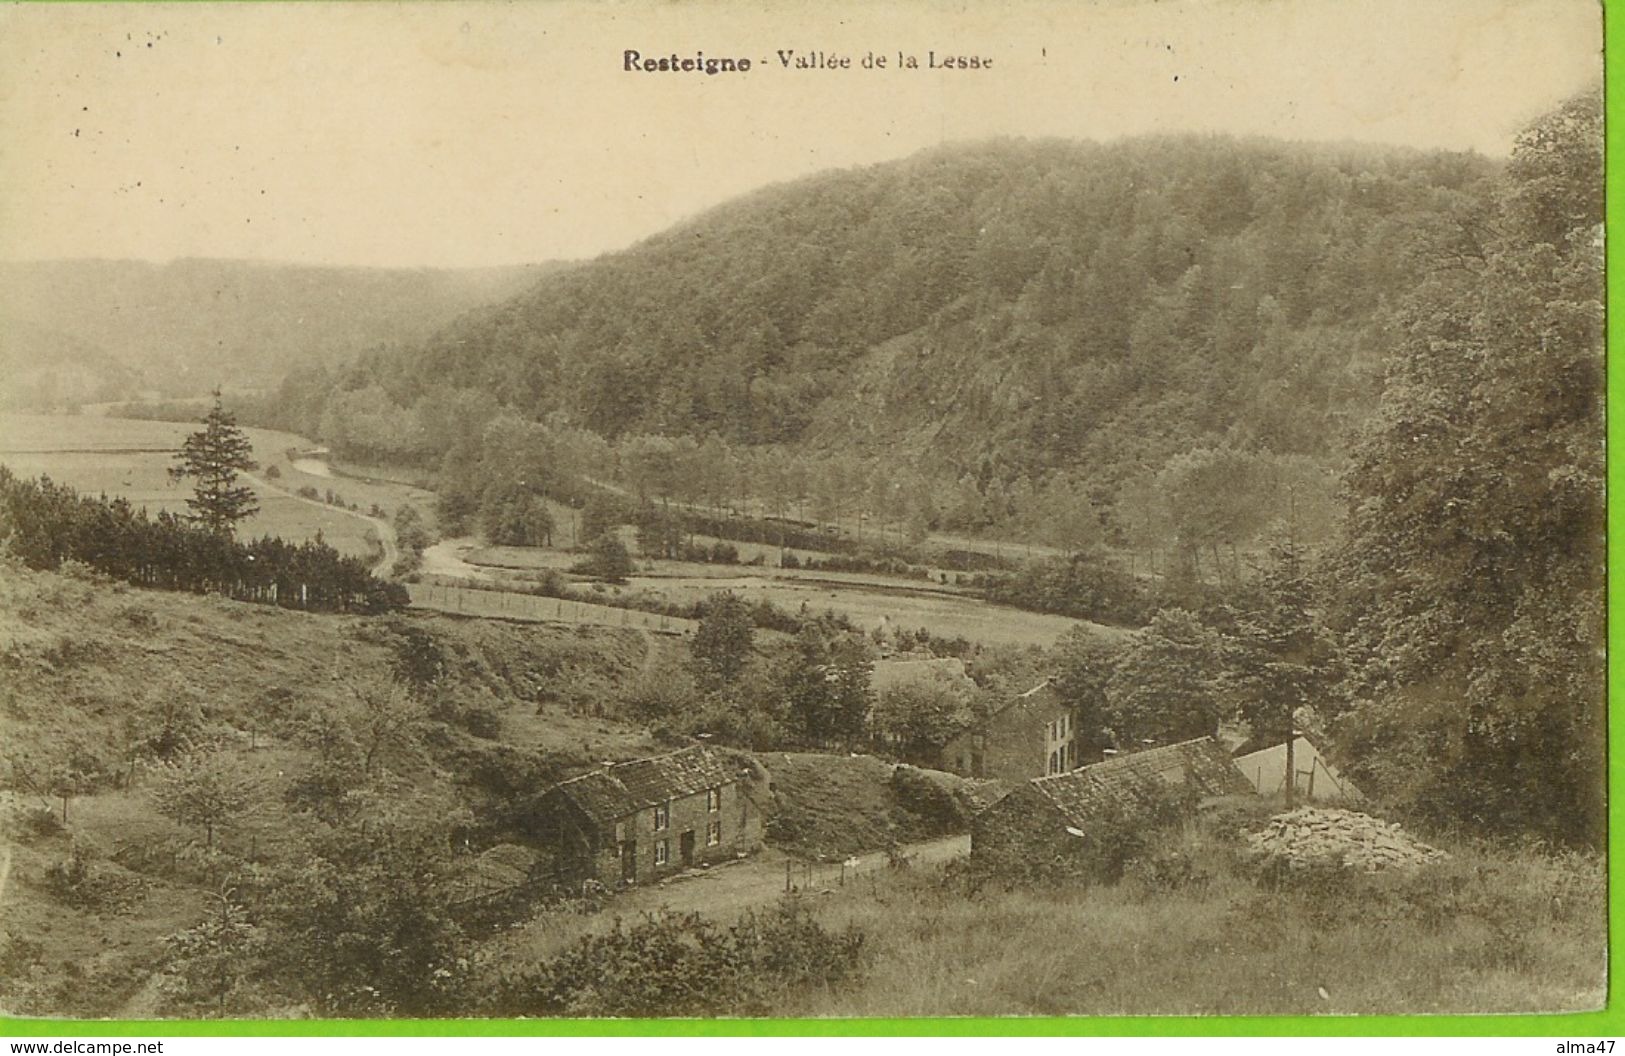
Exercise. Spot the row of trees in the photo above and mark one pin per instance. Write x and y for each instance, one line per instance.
(43, 524)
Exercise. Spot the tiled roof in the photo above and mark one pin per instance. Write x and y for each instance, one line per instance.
(1202, 764)
(1043, 693)
(622, 788)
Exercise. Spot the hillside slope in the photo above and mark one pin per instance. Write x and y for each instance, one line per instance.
(103, 688)
(994, 311)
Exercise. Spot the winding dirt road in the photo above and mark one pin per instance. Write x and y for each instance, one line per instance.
(386, 531)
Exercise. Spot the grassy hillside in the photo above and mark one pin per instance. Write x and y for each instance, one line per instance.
(1193, 930)
(101, 688)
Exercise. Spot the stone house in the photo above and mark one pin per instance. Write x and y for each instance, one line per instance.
(1044, 817)
(1031, 735)
(642, 820)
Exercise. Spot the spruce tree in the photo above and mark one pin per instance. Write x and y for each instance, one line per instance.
(214, 455)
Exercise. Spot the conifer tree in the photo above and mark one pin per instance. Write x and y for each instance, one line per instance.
(214, 455)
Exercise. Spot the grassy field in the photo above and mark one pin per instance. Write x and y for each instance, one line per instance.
(525, 608)
(130, 458)
(864, 598)
(1493, 930)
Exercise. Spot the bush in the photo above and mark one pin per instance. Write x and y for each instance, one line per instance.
(80, 882)
(609, 560)
(1122, 833)
(41, 822)
(684, 965)
(1164, 871)
(929, 800)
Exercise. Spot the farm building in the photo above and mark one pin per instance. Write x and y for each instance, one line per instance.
(1044, 817)
(1032, 735)
(1317, 779)
(641, 820)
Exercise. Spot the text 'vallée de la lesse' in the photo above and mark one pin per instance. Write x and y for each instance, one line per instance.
(633, 61)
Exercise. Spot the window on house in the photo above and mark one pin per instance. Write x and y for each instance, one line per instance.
(662, 816)
(713, 799)
(662, 852)
(713, 833)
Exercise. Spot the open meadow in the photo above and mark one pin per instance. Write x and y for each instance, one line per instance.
(865, 598)
(130, 458)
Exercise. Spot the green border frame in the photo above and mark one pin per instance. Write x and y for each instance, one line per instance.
(1580, 1025)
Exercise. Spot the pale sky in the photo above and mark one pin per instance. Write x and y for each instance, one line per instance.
(462, 134)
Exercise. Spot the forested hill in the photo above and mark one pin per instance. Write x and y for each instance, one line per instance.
(184, 327)
(998, 309)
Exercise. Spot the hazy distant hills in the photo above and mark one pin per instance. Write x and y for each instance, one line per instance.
(109, 329)
(1002, 309)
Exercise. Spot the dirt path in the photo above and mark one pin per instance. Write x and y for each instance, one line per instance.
(721, 892)
(386, 532)
(761, 880)
(446, 558)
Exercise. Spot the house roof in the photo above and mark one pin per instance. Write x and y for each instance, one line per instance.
(1202, 764)
(948, 670)
(619, 789)
(1043, 693)
(1317, 779)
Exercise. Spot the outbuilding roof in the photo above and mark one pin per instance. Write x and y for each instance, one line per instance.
(615, 791)
(1201, 764)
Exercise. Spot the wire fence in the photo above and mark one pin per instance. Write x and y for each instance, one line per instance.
(507, 605)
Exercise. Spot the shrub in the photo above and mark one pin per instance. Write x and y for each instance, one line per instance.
(608, 560)
(41, 821)
(929, 800)
(684, 965)
(1121, 833)
(1165, 870)
(79, 881)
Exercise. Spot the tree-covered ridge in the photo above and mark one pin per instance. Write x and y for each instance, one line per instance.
(997, 311)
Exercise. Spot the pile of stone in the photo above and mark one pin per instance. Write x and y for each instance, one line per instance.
(1317, 836)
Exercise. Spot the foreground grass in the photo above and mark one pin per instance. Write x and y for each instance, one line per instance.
(1489, 931)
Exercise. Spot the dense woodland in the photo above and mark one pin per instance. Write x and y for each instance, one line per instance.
(1025, 326)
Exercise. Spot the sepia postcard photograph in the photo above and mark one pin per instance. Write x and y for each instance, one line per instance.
(644, 510)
